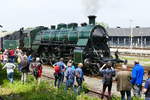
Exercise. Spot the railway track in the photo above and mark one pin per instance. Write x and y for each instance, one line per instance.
(93, 91)
(132, 52)
(118, 68)
(89, 91)
(132, 48)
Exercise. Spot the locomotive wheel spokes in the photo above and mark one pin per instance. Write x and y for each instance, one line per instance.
(90, 68)
(43, 54)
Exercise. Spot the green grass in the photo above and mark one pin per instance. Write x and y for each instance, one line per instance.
(146, 64)
(44, 91)
(135, 58)
(128, 58)
(143, 61)
(118, 98)
(32, 91)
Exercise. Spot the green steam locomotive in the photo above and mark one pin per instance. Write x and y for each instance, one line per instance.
(86, 43)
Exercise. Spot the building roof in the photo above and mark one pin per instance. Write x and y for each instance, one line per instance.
(2, 34)
(127, 31)
(28, 30)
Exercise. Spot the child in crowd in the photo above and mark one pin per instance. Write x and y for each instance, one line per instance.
(10, 70)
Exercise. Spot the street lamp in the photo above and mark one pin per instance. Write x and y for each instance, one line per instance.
(141, 40)
(131, 34)
(1, 38)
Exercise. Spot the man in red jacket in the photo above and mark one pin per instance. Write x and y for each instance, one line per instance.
(12, 55)
(37, 69)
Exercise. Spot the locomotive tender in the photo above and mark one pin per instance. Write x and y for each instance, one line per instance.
(86, 43)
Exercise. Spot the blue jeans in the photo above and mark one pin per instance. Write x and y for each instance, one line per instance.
(57, 81)
(147, 98)
(19, 67)
(128, 93)
(137, 90)
(10, 76)
(79, 87)
(62, 76)
(69, 84)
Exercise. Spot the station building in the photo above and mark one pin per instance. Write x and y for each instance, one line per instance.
(137, 37)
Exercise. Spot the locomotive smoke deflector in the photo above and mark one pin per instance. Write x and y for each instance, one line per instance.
(92, 19)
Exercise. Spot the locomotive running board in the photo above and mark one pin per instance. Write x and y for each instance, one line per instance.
(48, 44)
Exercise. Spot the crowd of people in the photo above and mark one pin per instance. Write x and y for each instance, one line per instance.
(11, 59)
(126, 80)
(26, 64)
(71, 73)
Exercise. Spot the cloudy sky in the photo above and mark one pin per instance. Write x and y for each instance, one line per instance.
(29, 13)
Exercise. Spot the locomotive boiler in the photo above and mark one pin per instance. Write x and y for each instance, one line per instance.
(86, 44)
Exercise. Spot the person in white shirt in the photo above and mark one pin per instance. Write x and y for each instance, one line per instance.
(5, 56)
(10, 70)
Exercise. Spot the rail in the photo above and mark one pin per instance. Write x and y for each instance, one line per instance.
(89, 90)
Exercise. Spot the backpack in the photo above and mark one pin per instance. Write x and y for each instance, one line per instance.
(78, 74)
(35, 70)
(57, 69)
(25, 62)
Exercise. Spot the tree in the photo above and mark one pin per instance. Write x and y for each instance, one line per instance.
(1, 26)
(102, 24)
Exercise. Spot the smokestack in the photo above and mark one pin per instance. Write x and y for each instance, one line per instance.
(53, 27)
(92, 19)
